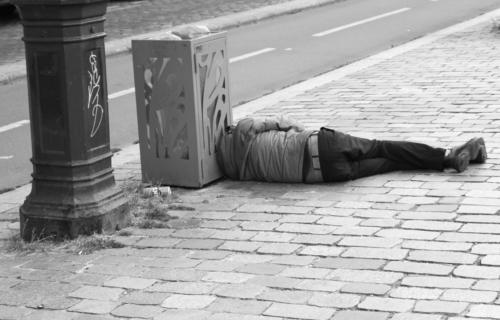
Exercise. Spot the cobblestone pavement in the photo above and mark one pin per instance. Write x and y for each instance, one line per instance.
(412, 245)
(128, 18)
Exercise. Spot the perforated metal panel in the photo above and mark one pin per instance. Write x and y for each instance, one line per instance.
(182, 98)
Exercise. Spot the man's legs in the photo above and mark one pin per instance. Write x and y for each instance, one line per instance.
(407, 154)
(385, 156)
(345, 157)
(342, 156)
(370, 167)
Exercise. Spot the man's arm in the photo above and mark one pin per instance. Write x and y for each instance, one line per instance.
(285, 123)
(247, 128)
(254, 126)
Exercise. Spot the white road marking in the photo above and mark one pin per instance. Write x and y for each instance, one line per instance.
(235, 59)
(6, 157)
(14, 125)
(360, 22)
(250, 54)
(121, 93)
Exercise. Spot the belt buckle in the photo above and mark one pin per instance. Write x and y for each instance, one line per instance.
(313, 150)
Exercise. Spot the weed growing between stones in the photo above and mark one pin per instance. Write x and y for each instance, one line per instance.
(82, 245)
(148, 207)
(148, 210)
(87, 244)
(15, 244)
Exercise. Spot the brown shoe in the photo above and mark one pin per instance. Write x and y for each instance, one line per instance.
(458, 162)
(476, 149)
(482, 154)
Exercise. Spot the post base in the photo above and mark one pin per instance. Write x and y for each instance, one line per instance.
(39, 221)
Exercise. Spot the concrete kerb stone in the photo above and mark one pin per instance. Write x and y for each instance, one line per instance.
(14, 71)
(16, 196)
(223, 22)
(131, 153)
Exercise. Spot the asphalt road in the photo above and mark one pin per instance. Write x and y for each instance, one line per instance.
(264, 57)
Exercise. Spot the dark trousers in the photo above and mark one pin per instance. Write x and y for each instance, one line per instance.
(345, 157)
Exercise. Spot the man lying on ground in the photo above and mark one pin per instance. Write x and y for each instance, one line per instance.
(280, 150)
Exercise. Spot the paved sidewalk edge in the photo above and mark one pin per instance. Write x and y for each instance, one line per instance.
(131, 153)
(14, 71)
(322, 79)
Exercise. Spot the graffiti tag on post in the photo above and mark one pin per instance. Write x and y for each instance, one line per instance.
(94, 88)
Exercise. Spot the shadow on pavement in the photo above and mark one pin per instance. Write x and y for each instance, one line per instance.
(8, 15)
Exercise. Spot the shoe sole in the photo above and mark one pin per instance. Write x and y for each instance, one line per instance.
(482, 154)
(462, 161)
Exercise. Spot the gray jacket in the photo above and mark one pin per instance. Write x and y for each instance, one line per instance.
(264, 150)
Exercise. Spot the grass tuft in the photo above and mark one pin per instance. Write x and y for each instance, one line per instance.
(180, 207)
(149, 210)
(82, 245)
(16, 244)
(151, 224)
(156, 210)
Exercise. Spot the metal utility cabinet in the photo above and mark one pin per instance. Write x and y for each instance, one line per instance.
(182, 95)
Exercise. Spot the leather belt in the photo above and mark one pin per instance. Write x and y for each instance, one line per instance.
(313, 171)
(312, 144)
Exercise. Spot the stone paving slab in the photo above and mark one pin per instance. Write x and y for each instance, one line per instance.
(409, 245)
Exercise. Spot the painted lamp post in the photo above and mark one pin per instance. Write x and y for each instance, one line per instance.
(73, 188)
